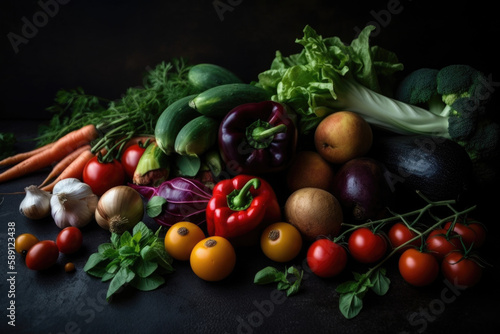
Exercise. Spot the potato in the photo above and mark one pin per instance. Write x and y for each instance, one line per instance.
(315, 212)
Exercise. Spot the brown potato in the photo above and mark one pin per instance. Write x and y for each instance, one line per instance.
(315, 212)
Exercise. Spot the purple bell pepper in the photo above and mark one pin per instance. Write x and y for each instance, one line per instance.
(256, 138)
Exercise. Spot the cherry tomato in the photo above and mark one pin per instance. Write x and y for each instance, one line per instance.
(130, 159)
(213, 258)
(181, 239)
(461, 271)
(439, 244)
(470, 232)
(24, 242)
(69, 240)
(399, 234)
(102, 176)
(326, 258)
(366, 246)
(281, 242)
(418, 268)
(42, 255)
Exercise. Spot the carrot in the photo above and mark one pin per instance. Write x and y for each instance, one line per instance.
(61, 165)
(17, 158)
(74, 169)
(58, 151)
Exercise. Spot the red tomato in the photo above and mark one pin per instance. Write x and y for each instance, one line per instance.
(326, 258)
(365, 246)
(440, 245)
(69, 240)
(130, 159)
(399, 234)
(42, 255)
(417, 268)
(461, 271)
(470, 233)
(102, 176)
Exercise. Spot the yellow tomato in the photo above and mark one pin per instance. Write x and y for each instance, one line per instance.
(24, 242)
(281, 242)
(213, 258)
(181, 238)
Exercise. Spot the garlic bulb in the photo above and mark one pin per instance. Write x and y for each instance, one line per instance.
(73, 203)
(119, 209)
(36, 203)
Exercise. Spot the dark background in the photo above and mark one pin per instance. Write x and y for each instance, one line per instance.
(106, 47)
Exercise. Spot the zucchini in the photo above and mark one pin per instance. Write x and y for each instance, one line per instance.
(205, 76)
(438, 167)
(171, 121)
(219, 100)
(197, 136)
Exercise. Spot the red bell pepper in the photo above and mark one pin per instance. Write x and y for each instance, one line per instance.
(240, 205)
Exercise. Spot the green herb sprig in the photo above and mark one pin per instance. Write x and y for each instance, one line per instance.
(138, 259)
(273, 275)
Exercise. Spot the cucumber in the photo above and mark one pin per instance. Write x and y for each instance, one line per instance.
(219, 100)
(197, 136)
(205, 76)
(171, 121)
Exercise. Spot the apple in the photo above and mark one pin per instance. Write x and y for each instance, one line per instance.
(342, 136)
(309, 169)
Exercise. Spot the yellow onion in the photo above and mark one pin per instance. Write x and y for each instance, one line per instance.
(119, 209)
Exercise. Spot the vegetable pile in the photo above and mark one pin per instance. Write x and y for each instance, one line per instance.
(316, 156)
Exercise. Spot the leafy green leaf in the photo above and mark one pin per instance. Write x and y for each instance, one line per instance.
(346, 287)
(154, 207)
(115, 240)
(125, 239)
(127, 251)
(380, 282)
(144, 230)
(104, 247)
(122, 277)
(145, 268)
(188, 165)
(93, 260)
(268, 275)
(148, 283)
(350, 304)
(283, 285)
(110, 253)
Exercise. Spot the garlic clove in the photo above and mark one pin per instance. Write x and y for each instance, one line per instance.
(36, 203)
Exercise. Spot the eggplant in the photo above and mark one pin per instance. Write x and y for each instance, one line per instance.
(361, 187)
(437, 167)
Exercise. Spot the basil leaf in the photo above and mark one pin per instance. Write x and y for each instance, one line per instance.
(346, 287)
(144, 230)
(94, 260)
(103, 247)
(380, 282)
(283, 285)
(148, 283)
(127, 250)
(122, 277)
(293, 289)
(268, 275)
(125, 239)
(115, 240)
(145, 268)
(154, 207)
(350, 304)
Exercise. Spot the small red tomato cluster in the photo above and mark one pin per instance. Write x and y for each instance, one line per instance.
(41, 255)
(447, 249)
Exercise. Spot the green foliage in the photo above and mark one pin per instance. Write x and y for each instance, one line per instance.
(138, 259)
(272, 275)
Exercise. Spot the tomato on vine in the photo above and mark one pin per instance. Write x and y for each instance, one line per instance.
(326, 258)
(418, 268)
(102, 176)
(461, 270)
(399, 234)
(440, 242)
(366, 246)
(472, 233)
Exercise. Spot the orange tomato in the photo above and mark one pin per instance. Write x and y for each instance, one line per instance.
(281, 242)
(181, 239)
(213, 258)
